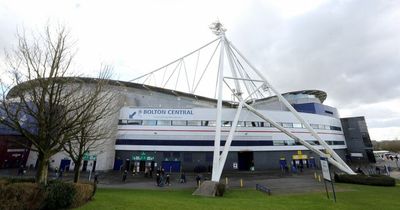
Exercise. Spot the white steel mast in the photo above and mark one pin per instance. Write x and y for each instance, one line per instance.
(220, 159)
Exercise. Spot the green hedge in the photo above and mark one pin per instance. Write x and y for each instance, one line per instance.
(220, 189)
(57, 195)
(21, 196)
(376, 180)
(84, 193)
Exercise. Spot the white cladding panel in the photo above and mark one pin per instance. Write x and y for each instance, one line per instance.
(227, 115)
(187, 133)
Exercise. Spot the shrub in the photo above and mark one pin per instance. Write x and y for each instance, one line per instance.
(21, 180)
(84, 192)
(60, 195)
(220, 189)
(376, 180)
(21, 196)
(3, 182)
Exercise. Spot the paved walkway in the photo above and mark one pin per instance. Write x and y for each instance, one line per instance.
(278, 183)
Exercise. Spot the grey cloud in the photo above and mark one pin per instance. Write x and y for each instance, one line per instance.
(349, 49)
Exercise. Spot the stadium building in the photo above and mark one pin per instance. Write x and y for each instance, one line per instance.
(175, 130)
(160, 125)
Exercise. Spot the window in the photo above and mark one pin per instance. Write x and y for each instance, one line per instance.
(315, 126)
(226, 123)
(250, 124)
(279, 143)
(194, 122)
(297, 125)
(210, 123)
(164, 122)
(149, 122)
(179, 122)
(240, 124)
(287, 125)
(335, 128)
(338, 142)
(290, 142)
(322, 127)
(122, 122)
(134, 122)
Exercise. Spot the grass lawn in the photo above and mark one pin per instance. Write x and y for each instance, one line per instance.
(357, 197)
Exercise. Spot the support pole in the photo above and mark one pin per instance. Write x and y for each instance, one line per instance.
(217, 141)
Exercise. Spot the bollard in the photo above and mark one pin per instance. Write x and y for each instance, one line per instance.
(241, 182)
(226, 180)
(319, 178)
(315, 175)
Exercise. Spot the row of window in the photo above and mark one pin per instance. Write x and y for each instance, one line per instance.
(312, 142)
(212, 123)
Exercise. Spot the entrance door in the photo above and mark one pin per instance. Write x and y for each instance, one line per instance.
(117, 164)
(64, 165)
(171, 166)
(142, 165)
(94, 166)
(245, 160)
(127, 164)
(84, 167)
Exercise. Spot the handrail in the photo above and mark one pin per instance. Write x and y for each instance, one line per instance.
(263, 189)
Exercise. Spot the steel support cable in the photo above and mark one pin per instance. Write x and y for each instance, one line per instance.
(176, 60)
(187, 78)
(171, 74)
(205, 69)
(216, 84)
(163, 78)
(195, 70)
(144, 82)
(235, 65)
(246, 74)
(179, 74)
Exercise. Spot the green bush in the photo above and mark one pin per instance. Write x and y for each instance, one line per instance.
(3, 182)
(60, 195)
(57, 195)
(84, 193)
(376, 180)
(21, 180)
(21, 196)
(220, 189)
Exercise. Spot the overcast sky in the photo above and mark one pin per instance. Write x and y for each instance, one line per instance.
(350, 49)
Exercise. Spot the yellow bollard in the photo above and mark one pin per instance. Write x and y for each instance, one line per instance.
(241, 182)
(226, 180)
(319, 178)
(315, 175)
(199, 183)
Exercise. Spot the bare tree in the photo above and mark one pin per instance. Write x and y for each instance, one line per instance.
(43, 94)
(93, 127)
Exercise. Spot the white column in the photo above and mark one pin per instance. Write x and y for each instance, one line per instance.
(217, 141)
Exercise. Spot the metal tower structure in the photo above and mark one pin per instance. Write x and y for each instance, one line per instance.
(236, 78)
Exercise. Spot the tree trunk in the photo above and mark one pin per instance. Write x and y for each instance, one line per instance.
(43, 168)
(77, 169)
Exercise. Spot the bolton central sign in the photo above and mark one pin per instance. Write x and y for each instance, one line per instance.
(148, 113)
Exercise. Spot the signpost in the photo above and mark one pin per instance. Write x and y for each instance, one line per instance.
(88, 157)
(327, 176)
